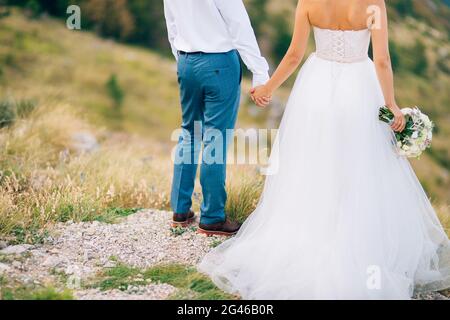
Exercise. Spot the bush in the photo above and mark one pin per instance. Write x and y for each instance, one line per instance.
(11, 110)
(115, 91)
(7, 113)
(404, 7)
(413, 59)
(33, 8)
(4, 12)
(421, 62)
(257, 9)
(395, 56)
(282, 38)
(110, 18)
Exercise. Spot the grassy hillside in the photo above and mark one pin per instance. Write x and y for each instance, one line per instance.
(40, 60)
(61, 83)
(43, 61)
(56, 85)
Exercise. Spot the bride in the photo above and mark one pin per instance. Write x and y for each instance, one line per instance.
(344, 217)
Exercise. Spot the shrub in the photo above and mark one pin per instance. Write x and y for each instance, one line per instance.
(282, 38)
(11, 110)
(395, 56)
(7, 113)
(4, 12)
(33, 8)
(115, 91)
(404, 7)
(110, 18)
(413, 59)
(421, 62)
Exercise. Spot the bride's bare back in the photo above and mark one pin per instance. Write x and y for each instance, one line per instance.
(338, 14)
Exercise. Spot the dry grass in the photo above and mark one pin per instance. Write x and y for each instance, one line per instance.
(444, 215)
(44, 179)
(244, 188)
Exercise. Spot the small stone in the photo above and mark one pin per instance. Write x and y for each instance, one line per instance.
(71, 270)
(18, 249)
(88, 255)
(84, 142)
(17, 264)
(4, 268)
(27, 280)
(109, 264)
(3, 245)
(49, 239)
(52, 262)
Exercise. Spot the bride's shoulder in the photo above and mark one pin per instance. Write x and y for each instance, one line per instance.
(363, 5)
(327, 3)
(376, 2)
(310, 2)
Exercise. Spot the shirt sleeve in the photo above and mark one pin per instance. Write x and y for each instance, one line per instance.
(241, 31)
(171, 28)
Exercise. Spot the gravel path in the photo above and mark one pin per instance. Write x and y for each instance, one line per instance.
(78, 251)
(150, 292)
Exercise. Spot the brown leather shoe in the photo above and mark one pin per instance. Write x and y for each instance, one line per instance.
(226, 228)
(183, 220)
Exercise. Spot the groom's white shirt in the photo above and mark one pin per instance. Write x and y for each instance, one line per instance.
(215, 26)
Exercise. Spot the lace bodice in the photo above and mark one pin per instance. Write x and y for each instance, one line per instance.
(342, 45)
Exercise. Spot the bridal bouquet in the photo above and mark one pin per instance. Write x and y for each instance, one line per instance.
(417, 135)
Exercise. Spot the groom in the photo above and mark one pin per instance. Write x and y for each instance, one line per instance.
(207, 38)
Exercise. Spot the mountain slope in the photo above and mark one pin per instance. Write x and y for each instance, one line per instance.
(42, 60)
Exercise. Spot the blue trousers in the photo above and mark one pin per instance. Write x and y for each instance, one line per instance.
(210, 89)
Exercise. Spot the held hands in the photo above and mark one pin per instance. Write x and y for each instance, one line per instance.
(261, 96)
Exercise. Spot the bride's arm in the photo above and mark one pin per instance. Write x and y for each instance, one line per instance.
(293, 56)
(383, 65)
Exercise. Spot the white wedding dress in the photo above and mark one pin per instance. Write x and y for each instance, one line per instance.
(344, 217)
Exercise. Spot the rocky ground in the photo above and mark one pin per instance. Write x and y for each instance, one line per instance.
(76, 253)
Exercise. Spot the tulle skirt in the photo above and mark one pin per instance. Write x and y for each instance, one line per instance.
(342, 216)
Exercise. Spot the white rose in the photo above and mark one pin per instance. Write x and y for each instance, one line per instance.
(415, 149)
(407, 111)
